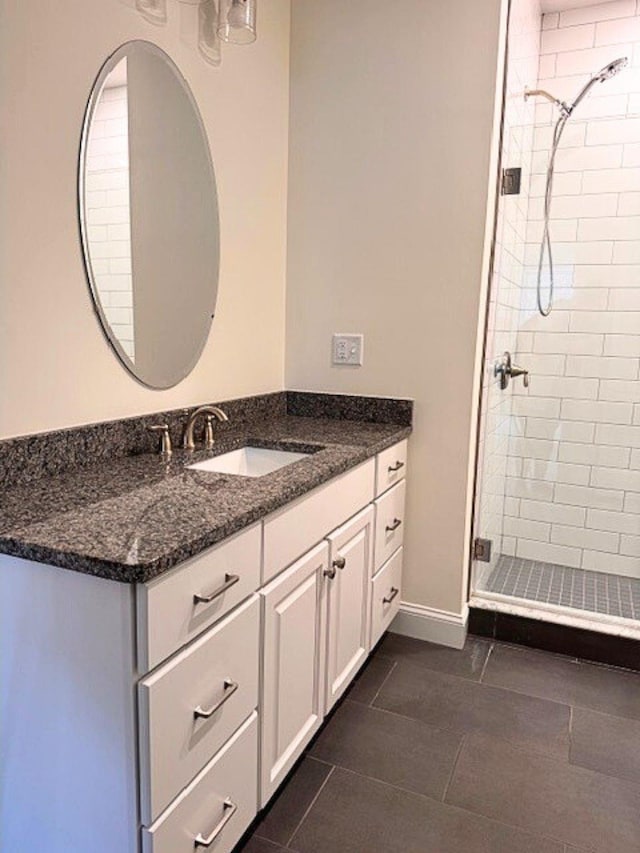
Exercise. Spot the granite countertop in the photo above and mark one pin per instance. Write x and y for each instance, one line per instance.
(134, 517)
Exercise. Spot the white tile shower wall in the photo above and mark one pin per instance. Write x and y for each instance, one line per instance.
(576, 484)
(108, 213)
(503, 317)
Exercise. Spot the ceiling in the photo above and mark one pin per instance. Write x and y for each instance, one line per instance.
(563, 5)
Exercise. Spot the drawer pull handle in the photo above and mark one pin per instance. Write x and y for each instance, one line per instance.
(389, 598)
(230, 808)
(396, 524)
(393, 468)
(329, 573)
(229, 581)
(230, 688)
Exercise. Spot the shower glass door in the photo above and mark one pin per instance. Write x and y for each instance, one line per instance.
(558, 491)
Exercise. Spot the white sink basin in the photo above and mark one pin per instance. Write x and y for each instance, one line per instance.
(249, 461)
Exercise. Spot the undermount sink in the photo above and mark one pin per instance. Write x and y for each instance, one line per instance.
(249, 461)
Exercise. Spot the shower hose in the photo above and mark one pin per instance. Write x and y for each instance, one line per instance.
(545, 244)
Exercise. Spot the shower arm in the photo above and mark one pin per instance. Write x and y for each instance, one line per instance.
(564, 108)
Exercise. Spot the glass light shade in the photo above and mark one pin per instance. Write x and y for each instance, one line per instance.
(237, 21)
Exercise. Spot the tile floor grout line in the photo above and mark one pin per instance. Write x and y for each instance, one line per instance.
(626, 779)
(486, 685)
(453, 768)
(384, 681)
(395, 787)
(307, 753)
(486, 663)
(404, 717)
(467, 679)
(449, 805)
(521, 692)
(463, 733)
(311, 805)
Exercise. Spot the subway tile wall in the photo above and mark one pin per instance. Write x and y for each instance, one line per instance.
(573, 484)
(108, 212)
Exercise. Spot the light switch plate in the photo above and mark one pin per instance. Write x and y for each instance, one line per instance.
(347, 349)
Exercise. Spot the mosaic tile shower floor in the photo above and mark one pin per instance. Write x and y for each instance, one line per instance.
(561, 585)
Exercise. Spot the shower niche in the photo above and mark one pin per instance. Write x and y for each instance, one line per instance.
(558, 474)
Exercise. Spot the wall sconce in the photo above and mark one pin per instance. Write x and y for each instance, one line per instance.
(237, 21)
(232, 21)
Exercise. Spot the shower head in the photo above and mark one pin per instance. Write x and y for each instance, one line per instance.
(612, 69)
(604, 74)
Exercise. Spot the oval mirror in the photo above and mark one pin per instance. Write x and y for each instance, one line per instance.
(149, 214)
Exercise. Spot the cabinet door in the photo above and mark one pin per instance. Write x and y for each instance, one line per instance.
(294, 657)
(348, 593)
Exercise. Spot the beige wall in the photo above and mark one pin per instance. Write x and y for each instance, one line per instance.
(390, 151)
(56, 368)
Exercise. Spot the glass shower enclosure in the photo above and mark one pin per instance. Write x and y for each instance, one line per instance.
(557, 511)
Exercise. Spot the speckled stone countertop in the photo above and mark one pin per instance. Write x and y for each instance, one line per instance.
(132, 518)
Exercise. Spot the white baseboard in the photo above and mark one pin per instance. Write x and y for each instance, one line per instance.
(427, 623)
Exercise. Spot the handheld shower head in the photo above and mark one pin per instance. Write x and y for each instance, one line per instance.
(602, 76)
(612, 69)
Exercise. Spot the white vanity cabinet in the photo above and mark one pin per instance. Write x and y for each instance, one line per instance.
(176, 708)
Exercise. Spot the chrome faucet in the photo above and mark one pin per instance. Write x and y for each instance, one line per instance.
(210, 412)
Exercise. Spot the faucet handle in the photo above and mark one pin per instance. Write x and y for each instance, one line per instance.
(165, 438)
(208, 432)
(520, 371)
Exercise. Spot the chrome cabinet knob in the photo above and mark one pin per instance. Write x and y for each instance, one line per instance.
(338, 563)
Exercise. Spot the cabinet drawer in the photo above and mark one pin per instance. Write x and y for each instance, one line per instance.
(169, 615)
(291, 531)
(221, 801)
(385, 598)
(391, 467)
(191, 705)
(389, 524)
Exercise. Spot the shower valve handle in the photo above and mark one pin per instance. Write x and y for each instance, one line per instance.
(520, 371)
(505, 370)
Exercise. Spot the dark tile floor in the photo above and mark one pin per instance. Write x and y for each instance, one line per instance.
(492, 749)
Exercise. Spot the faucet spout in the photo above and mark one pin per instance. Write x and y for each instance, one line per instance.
(209, 412)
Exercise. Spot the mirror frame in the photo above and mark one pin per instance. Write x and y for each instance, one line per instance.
(107, 67)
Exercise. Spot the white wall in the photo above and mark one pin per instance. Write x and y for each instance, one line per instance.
(56, 368)
(390, 148)
(575, 455)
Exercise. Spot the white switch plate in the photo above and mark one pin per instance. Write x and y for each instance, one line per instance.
(347, 349)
